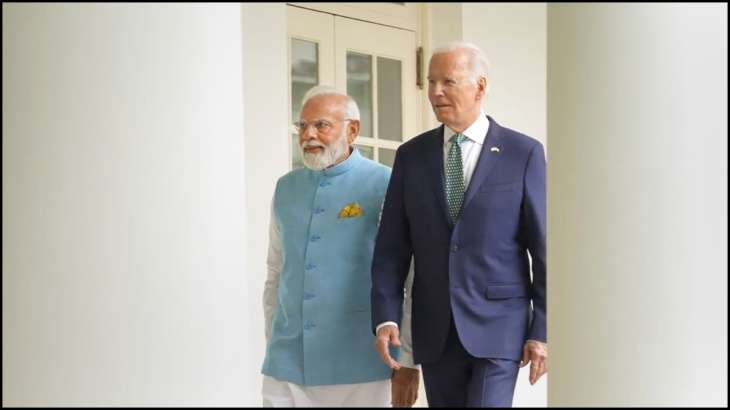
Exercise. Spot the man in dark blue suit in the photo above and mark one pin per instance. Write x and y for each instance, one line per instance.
(467, 201)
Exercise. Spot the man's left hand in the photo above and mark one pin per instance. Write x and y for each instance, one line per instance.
(537, 353)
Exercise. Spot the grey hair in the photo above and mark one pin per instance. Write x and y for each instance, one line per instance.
(352, 112)
(479, 63)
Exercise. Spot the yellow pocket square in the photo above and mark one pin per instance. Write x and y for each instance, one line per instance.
(351, 210)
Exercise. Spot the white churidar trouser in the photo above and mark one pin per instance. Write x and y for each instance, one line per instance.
(277, 393)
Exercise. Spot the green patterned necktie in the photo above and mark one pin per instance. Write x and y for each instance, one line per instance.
(455, 177)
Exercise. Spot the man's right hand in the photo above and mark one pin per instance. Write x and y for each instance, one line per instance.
(387, 335)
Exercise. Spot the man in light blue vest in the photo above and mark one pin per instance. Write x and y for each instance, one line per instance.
(317, 295)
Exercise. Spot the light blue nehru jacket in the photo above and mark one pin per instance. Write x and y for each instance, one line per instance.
(321, 331)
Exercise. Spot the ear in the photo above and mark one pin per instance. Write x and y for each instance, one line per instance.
(481, 87)
(353, 130)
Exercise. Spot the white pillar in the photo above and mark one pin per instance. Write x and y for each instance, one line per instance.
(637, 204)
(124, 207)
(266, 126)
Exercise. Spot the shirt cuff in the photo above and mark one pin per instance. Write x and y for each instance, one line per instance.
(385, 324)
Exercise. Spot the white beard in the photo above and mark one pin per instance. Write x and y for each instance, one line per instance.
(329, 155)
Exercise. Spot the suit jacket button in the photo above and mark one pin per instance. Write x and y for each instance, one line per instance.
(454, 248)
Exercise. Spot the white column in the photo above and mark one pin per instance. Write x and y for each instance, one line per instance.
(266, 126)
(124, 207)
(637, 204)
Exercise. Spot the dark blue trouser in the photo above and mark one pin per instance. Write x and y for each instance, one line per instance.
(459, 379)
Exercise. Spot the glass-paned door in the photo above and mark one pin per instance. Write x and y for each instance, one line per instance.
(311, 62)
(376, 65)
(373, 63)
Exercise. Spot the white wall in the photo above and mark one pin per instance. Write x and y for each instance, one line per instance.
(637, 204)
(123, 206)
(266, 119)
(514, 37)
(442, 23)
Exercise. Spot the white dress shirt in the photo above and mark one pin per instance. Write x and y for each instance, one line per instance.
(471, 147)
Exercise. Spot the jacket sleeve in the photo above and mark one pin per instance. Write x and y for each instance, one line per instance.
(533, 217)
(393, 251)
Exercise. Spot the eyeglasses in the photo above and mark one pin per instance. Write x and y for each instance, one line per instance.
(322, 126)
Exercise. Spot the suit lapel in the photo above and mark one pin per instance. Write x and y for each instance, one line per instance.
(487, 160)
(435, 164)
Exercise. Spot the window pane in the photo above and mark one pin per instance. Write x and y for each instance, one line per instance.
(386, 156)
(390, 103)
(360, 87)
(304, 75)
(303, 72)
(366, 151)
(296, 154)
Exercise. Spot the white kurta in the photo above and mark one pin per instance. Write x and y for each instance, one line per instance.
(278, 393)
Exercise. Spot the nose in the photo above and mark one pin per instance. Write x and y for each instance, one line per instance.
(437, 89)
(308, 134)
